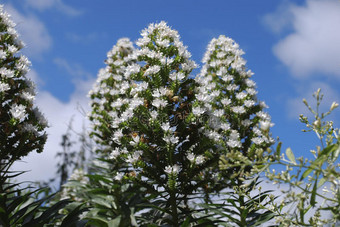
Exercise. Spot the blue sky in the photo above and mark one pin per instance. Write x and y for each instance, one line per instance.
(292, 47)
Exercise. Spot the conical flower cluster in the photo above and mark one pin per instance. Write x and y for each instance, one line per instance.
(21, 124)
(227, 95)
(109, 93)
(169, 132)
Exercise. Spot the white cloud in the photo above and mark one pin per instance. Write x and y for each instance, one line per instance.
(313, 47)
(32, 31)
(43, 166)
(74, 70)
(58, 4)
(281, 19)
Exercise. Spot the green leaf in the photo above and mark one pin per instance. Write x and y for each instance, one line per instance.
(320, 160)
(312, 199)
(115, 222)
(321, 182)
(290, 155)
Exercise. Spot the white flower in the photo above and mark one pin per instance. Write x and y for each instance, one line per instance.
(159, 92)
(234, 135)
(4, 87)
(7, 72)
(246, 122)
(168, 169)
(154, 114)
(234, 143)
(249, 103)
(134, 157)
(135, 140)
(177, 76)
(159, 103)
(18, 111)
(165, 126)
(119, 176)
(232, 87)
(241, 95)
(227, 78)
(250, 83)
(263, 116)
(30, 128)
(218, 113)
(203, 97)
(117, 135)
(114, 154)
(226, 101)
(191, 157)
(257, 140)
(199, 159)
(175, 169)
(3, 54)
(131, 69)
(225, 126)
(238, 109)
(263, 104)
(198, 111)
(257, 131)
(171, 139)
(152, 70)
(28, 96)
(215, 93)
(127, 114)
(12, 49)
(213, 135)
(251, 91)
(265, 125)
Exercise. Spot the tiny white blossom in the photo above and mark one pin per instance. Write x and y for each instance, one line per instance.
(175, 169)
(154, 114)
(177, 76)
(241, 95)
(18, 111)
(238, 109)
(191, 157)
(198, 111)
(257, 140)
(114, 154)
(171, 139)
(117, 135)
(152, 70)
(165, 126)
(225, 126)
(226, 101)
(159, 103)
(135, 140)
(249, 103)
(119, 176)
(199, 159)
(246, 122)
(4, 87)
(265, 125)
(218, 113)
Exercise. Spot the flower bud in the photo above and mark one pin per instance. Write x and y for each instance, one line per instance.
(317, 123)
(334, 105)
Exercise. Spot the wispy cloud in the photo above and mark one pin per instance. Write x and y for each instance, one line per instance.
(313, 47)
(43, 166)
(32, 31)
(86, 38)
(73, 69)
(57, 4)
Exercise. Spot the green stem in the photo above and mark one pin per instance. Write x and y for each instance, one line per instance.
(174, 208)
